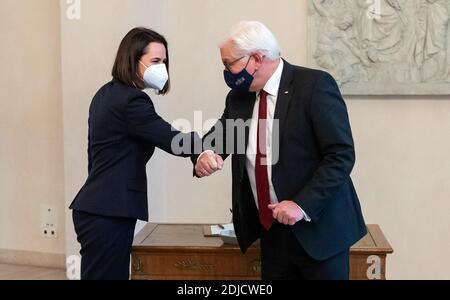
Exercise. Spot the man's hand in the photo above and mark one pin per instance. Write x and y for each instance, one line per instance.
(208, 163)
(287, 212)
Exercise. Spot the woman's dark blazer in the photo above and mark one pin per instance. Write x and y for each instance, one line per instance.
(124, 130)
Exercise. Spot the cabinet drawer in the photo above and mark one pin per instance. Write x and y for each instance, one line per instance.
(196, 265)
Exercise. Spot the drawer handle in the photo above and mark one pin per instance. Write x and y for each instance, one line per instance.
(193, 265)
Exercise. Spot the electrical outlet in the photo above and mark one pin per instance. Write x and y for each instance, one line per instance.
(49, 227)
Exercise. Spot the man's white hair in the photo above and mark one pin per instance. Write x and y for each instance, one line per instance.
(252, 36)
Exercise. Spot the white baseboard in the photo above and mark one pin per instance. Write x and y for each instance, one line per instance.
(32, 258)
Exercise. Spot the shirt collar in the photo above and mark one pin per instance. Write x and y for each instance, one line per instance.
(273, 84)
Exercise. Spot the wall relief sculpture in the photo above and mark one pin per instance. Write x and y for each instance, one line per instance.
(382, 47)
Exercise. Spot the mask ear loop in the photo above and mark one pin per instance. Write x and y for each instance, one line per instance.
(143, 64)
(256, 70)
(139, 76)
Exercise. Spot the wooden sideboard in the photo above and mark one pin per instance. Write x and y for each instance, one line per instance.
(182, 252)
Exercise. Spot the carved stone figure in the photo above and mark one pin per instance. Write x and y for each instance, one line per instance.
(337, 46)
(382, 46)
(432, 24)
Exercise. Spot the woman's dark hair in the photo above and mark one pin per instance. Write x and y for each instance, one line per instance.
(131, 49)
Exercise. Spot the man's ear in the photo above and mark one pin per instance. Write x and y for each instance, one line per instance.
(258, 57)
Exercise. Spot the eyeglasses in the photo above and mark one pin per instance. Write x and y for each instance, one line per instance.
(229, 65)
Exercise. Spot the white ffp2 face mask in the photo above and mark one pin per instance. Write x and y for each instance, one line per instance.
(156, 76)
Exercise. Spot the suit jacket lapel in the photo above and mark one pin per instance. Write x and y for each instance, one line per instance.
(285, 93)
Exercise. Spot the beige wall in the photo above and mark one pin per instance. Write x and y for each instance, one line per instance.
(402, 173)
(31, 150)
(403, 178)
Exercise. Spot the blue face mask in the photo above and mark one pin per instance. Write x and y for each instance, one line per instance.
(240, 81)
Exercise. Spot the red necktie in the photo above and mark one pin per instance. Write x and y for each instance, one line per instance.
(261, 175)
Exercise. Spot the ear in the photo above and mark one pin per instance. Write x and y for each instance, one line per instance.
(258, 57)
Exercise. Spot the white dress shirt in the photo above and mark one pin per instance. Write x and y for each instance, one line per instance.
(272, 86)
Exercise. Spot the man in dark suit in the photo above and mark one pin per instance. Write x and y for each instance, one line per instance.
(291, 183)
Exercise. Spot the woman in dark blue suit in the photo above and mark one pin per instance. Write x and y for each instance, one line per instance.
(124, 130)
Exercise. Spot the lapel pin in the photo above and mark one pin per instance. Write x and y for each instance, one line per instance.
(286, 92)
